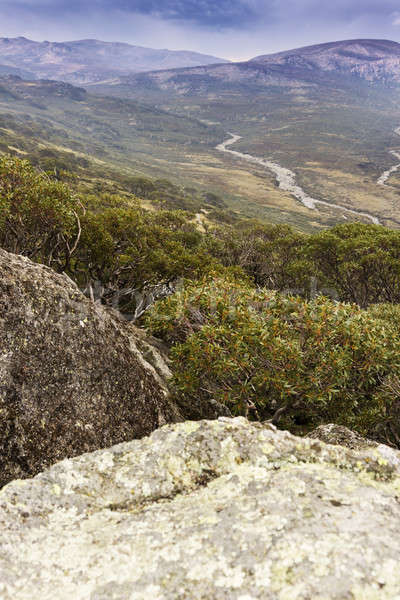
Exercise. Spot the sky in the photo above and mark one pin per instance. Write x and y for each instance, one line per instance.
(232, 29)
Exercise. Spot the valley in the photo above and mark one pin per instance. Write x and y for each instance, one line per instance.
(333, 128)
(287, 181)
(383, 179)
(327, 136)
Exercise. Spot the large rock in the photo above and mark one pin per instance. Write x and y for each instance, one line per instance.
(206, 510)
(72, 378)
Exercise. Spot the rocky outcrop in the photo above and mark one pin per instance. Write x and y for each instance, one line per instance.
(332, 433)
(72, 378)
(200, 510)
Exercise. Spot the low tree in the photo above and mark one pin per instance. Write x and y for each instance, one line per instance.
(362, 262)
(38, 214)
(272, 255)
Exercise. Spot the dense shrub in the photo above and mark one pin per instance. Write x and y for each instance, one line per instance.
(38, 215)
(353, 262)
(106, 242)
(362, 262)
(298, 363)
(126, 249)
(272, 255)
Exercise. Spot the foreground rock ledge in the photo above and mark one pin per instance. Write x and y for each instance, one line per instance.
(206, 510)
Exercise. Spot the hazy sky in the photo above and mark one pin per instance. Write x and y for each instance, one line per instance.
(235, 29)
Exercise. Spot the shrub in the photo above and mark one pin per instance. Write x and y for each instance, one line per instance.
(362, 262)
(272, 255)
(267, 356)
(38, 215)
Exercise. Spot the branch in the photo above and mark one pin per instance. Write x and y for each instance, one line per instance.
(276, 417)
(78, 237)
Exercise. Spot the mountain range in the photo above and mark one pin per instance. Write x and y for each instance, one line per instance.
(86, 61)
(372, 60)
(336, 63)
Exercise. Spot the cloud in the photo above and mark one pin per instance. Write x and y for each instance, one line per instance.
(235, 29)
(396, 19)
(203, 12)
(218, 13)
(240, 13)
(209, 13)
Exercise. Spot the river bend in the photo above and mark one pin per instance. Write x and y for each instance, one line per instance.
(287, 179)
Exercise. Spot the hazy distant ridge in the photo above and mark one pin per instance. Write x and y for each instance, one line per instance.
(87, 61)
(375, 61)
(372, 60)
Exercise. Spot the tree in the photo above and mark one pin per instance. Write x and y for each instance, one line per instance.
(362, 262)
(38, 215)
(272, 255)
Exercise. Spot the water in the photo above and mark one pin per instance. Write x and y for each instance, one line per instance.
(287, 180)
(385, 176)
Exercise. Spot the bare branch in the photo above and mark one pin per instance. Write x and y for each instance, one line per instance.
(78, 237)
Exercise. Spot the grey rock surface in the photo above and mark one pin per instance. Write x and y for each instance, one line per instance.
(331, 433)
(72, 375)
(206, 510)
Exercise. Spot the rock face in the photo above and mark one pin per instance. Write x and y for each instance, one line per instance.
(72, 379)
(212, 509)
(341, 436)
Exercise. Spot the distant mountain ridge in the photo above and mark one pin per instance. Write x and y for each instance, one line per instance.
(88, 61)
(327, 65)
(372, 60)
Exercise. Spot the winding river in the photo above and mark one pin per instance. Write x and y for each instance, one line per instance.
(385, 176)
(287, 179)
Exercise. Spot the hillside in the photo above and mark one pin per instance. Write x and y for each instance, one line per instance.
(321, 113)
(332, 134)
(105, 143)
(372, 60)
(85, 61)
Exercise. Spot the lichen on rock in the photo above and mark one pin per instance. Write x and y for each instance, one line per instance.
(210, 509)
(331, 433)
(72, 378)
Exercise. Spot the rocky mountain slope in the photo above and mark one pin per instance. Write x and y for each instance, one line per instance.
(343, 63)
(85, 61)
(72, 376)
(213, 509)
(373, 60)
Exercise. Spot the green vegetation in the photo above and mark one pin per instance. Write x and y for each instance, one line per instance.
(337, 139)
(249, 325)
(352, 263)
(109, 242)
(38, 215)
(297, 363)
(334, 134)
(361, 262)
